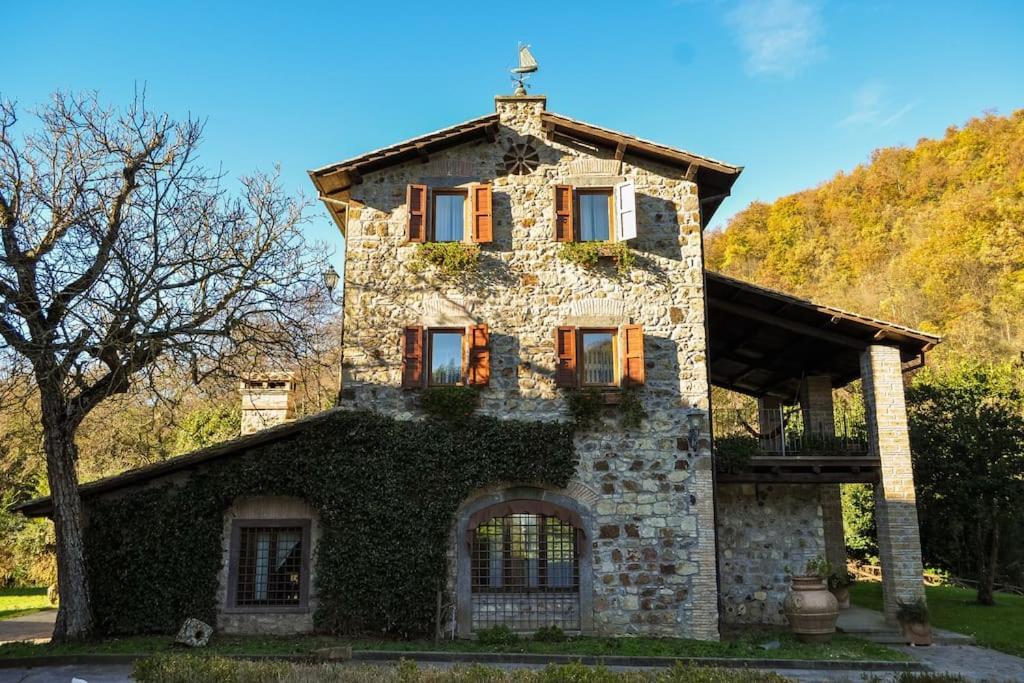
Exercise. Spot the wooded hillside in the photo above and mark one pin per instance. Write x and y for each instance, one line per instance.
(931, 237)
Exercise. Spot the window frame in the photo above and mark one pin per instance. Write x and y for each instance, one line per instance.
(581, 332)
(578, 228)
(509, 584)
(234, 556)
(466, 217)
(429, 355)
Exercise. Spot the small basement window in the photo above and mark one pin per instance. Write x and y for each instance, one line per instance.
(595, 211)
(449, 215)
(597, 360)
(445, 348)
(269, 564)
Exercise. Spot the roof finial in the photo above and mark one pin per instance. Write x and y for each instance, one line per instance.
(527, 65)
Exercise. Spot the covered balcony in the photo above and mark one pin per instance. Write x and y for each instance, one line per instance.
(790, 356)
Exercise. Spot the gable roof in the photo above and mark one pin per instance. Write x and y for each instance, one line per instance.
(714, 178)
(40, 507)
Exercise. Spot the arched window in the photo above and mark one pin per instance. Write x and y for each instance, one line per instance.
(524, 567)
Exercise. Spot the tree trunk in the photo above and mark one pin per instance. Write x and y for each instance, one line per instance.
(987, 579)
(74, 615)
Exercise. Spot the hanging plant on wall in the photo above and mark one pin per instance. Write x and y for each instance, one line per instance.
(449, 403)
(589, 406)
(449, 259)
(590, 254)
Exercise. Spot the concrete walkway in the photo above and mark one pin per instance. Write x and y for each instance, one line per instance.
(35, 626)
(871, 625)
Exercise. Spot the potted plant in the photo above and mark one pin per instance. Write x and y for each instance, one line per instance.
(839, 582)
(811, 609)
(913, 618)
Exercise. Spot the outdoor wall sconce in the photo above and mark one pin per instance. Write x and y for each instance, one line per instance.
(331, 278)
(696, 421)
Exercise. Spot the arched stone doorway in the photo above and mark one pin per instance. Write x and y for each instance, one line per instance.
(523, 561)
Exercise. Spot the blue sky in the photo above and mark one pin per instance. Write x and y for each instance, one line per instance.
(792, 89)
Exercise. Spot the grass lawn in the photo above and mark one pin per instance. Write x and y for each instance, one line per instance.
(1000, 627)
(841, 647)
(15, 602)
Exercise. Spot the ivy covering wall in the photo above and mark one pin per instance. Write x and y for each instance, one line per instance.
(386, 491)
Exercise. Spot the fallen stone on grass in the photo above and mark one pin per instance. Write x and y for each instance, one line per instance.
(194, 633)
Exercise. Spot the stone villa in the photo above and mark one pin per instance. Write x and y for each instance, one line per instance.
(650, 537)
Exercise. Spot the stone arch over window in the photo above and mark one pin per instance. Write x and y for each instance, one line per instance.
(523, 559)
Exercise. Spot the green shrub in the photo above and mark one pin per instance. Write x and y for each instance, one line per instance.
(153, 555)
(631, 410)
(589, 254)
(912, 612)
(586, 407)
(449, 403)
(497, 635)
(549, 634)
(733, 452)
(449, 258)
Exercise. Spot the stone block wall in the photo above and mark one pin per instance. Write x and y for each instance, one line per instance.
(653, 548)
(765, 532)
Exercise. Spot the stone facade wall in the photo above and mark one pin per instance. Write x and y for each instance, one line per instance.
(653, 556)
(763, 531)
(277, 623)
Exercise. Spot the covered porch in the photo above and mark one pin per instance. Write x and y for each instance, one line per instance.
(790, 355)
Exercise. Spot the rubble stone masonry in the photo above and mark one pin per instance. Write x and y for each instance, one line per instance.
(652, 543)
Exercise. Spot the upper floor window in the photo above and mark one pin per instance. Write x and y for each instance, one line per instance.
(599, 357)
(448, 214)
(591, 214)
(597, 360)
(445, 348)
(595, 220)
(445, 356)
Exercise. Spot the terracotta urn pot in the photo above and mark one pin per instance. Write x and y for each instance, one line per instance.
(842, 595)
(812, 610)
(917, 634)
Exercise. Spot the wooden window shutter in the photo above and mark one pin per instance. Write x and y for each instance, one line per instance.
(479, 357)
(625, 211)
(417, 201)
(482, 215)
(565, 349)
(564, 221)
(412, 358)
(632, 339)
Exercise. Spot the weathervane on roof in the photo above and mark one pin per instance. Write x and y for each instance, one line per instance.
(527, 65)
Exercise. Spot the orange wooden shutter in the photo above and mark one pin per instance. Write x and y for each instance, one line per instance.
(416, 201)
(412, 358)
(564, 224)
(565, 349)
(482, 221)
(632, 355)
(479, 371)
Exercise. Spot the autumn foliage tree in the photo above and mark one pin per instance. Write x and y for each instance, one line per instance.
(120, 254)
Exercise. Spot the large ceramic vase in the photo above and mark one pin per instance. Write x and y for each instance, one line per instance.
(812, 610)
(917, 634)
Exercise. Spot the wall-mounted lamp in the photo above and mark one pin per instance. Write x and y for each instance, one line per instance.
(696, 421)
(331, 278)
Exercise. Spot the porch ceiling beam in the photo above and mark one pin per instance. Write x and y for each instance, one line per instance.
(792, 325)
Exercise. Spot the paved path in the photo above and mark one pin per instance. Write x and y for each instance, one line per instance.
(91, 673)
(970, 661)
(35, 626)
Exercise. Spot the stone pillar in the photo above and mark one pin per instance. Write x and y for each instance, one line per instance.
(899, 543)
(819, 420)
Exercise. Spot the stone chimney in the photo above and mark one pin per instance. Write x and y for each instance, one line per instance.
(267, 400)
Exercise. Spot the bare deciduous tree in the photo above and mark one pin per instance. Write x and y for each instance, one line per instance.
(120, 253)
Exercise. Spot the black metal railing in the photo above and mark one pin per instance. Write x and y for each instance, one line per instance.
(791, 431)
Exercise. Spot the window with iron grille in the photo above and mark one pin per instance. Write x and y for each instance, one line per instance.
(269, 564)
(525, 572)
